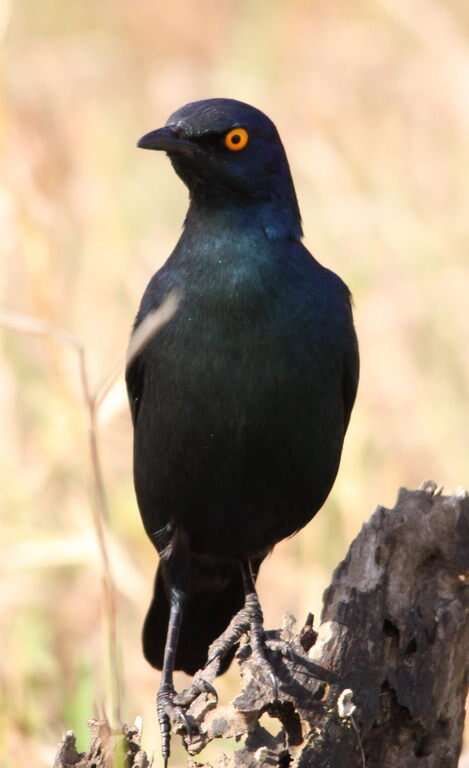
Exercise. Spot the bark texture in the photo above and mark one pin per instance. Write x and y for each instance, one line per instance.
(383, 681)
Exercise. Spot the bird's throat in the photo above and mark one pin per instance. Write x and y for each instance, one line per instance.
(273, 218)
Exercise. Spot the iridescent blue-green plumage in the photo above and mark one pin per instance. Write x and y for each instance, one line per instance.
(241, 402)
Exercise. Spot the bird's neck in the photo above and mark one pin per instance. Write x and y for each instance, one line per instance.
(275, 218)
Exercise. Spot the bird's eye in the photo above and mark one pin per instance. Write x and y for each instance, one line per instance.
(236, 139)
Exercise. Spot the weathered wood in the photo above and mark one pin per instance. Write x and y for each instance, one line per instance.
(383, 682)
(107, 749)
(395, 628)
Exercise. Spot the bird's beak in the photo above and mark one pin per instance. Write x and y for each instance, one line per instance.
(166, 140)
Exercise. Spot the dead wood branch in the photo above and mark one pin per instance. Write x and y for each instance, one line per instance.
(107, 749)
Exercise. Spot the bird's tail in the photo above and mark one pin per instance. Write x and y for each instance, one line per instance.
(217, 594)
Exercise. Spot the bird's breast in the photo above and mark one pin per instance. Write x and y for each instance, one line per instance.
(243, 366)
(242, 405)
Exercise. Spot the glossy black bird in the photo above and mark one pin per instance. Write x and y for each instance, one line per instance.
(240, 403)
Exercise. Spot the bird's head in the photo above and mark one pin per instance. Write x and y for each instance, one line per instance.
(228, 152)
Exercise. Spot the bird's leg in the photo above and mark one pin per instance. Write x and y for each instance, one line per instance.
(166, 692)
(253, 609)
(248, 618)
(238, 625)
(202, 681)
(175, 561)
(241, 621)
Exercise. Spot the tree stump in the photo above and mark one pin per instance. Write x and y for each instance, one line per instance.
(383, 681)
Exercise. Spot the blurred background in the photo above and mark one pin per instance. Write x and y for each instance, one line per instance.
(371, 99)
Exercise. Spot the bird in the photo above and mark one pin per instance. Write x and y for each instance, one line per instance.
(240, 402)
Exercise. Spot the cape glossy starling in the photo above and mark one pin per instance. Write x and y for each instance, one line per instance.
(241, 401)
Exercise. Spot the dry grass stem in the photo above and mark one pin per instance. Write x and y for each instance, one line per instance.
(29, 325)
(93, 399)
(152, 323)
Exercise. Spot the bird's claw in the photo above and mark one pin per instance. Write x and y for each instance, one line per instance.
(163, 700)
(204, 686)
(217, 649)
(266, 668)
(198, 686)
(171, 713)
(274, 683)
(182, 722)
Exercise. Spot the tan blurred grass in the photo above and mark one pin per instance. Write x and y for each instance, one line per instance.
(372, 101)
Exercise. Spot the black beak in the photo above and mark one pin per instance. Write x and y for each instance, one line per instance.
(167, 140)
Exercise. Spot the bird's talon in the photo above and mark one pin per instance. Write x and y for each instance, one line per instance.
(266, 668)
(274, 683)
(171, 716)
(215, 651)
(182, 722)
(165, 731)
(204, 686)
(189, 695)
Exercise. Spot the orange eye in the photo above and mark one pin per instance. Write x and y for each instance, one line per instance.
(236, 139)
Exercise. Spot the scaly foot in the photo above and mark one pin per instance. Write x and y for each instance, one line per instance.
(200, 684)
(168, 713)
(258, 646)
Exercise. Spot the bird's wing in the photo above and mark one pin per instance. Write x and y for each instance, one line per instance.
(134, 378)
(351, 372)
(159, 302)
(135, 369)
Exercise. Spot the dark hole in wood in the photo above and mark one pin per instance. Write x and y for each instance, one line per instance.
(411, 647)
(432, 560)
(291, 722)
(443, 728)
(390, 629)
(423, 747)
(378, 556)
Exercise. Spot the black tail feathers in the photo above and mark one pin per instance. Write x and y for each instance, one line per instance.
(216, 596)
